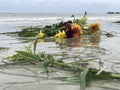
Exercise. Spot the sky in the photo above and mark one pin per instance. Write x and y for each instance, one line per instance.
(59, 6)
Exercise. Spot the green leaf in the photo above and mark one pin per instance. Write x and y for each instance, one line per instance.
(28, 56)
(83, 19)
(83, 79)
(35, 44)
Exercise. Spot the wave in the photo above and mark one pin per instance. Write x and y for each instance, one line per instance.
(33, 19)
(38, 17)
(10, 22)
(105, 18)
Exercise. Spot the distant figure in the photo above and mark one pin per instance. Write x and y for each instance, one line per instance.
(85, 14)
(72, 15)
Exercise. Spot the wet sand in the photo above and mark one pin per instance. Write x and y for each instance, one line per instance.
(32, 77)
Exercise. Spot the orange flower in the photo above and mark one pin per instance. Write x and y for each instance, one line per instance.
(74, 31)
(94, 27)
(77, 30)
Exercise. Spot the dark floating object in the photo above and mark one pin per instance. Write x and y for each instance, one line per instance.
(113, 12)
(110, 12)
(117, 12)
(109, 35)
(117, 22)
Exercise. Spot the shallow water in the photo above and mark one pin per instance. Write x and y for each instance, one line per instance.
(29, 77)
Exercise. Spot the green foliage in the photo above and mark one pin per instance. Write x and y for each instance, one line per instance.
(27, 33)
(83, 79)
(82, 21)
(52, 29)
(49, 30)
(35, 44)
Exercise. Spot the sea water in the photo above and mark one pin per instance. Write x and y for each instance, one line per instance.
(10, 22)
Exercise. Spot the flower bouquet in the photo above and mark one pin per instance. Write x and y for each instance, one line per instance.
(69, 29)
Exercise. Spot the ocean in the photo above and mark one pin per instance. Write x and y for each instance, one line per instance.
(10, 22)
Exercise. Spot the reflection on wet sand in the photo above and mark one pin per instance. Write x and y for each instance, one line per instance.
(73, 42)
(89, 40)
(84, 48)
(85, 52)
(95, 40)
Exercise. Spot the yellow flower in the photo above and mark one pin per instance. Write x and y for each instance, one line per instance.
(63, 34)
(57, 35)
(94, 27)
(60, 34)
(40, 34)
